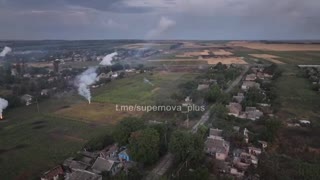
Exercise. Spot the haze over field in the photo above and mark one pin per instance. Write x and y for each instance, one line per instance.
(137, 19)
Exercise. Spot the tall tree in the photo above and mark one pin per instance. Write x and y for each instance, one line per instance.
(144, 145)
(123, 130)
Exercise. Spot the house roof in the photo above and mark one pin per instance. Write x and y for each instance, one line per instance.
(217, 144)
(215, 132)
(84, 175)
(53, 172)
(75, 164)
(202, 87)
(102, 164)
(234, 108)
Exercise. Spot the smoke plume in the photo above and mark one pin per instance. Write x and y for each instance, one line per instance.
(107, 59)
(5, 51)
(90, 76)
(164, 25)
(145, 80)
(3, 105)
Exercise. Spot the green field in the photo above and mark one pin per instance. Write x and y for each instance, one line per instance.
(134, 90)
(33, 142)
(295, 95)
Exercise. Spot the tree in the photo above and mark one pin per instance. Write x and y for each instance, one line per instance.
(185, 145)
(219, 111)
(144, 145)
(123, 130)
(213, 94)
(253, 97)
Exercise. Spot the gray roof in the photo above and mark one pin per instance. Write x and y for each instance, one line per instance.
(215, 132)
(217, 144)
(84, 175)
(101, 165)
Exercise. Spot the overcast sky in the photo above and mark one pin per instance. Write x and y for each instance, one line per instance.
(160, 19)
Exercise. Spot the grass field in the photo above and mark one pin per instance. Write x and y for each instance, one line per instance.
(33, 142)
(134, 90)
(97, 113)
(295, 95)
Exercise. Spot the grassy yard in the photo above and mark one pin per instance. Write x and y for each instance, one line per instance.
(295, 95)
(134, 90)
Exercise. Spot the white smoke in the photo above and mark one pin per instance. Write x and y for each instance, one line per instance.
(85, 80)
(164, 25)
(3, 105)
(145, 80)
(107, 59)
(5, 51)
(90, 76)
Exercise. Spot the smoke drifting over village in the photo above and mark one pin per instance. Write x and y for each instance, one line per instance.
(3, 105)
(5, 51)
(90, 76)
(107, 59)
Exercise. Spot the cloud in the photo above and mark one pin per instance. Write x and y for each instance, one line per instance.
(206, 19)
(164, 25)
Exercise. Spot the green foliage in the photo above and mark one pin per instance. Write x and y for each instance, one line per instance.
(144, 145)
(185, 145)
(99, 143)
(253, 97)
(219, 111)
(123, 130)
(271, 130)
(164, 131)
(200, 173)
(213, 94)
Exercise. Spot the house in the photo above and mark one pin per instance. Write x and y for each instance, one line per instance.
(26, 99)
(253, 113)
(110, 151)
(114, 75)
(304, 122)
(251, 77)
(124, 156)
(103, 76)
(260, 75)
(105, 165)
(44, 92)
(239, 97)
(243, 160)
(236, 172)
(53, 174)
(234, 109)
(217, 146)
(83, 175)
(203, 87)
(246, 85)
(215, 132)
(254, 150)
(72, 164)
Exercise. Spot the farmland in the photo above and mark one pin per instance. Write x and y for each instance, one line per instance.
(135, 91)
(33, 142)
(295, 95)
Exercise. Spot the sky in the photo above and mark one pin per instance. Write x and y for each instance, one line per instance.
(160, 19)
